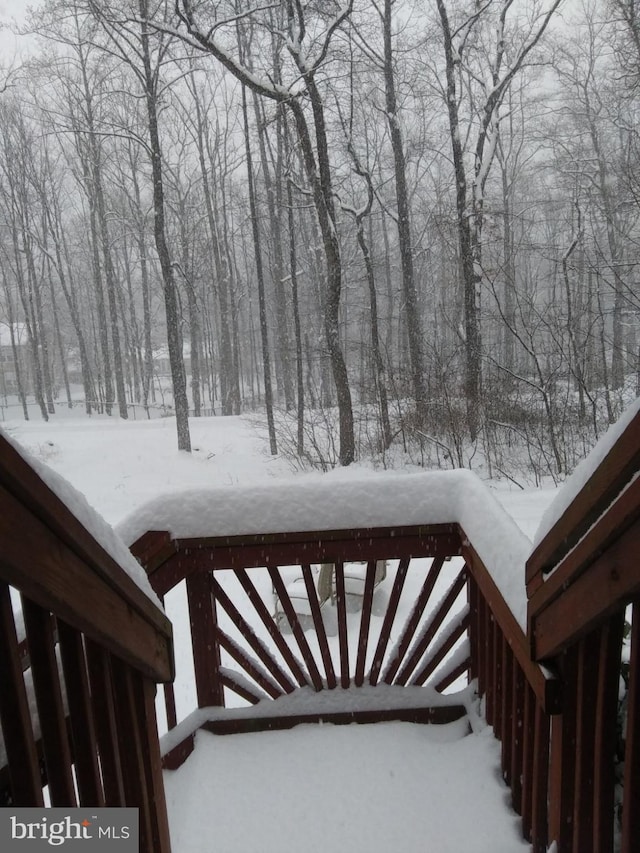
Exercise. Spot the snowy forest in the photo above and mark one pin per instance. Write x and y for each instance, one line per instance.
(392, 229)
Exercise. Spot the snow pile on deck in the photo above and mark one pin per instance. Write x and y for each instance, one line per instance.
(342, 500)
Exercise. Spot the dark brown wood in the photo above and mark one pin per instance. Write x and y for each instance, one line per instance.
(106, 724)
(528, 746)
(452, 675)
(517, 738)
(274, 632)
(85, 743)
(20, 480)
(540, 781)
(365, 621)
(414, 620)
(20, 747)
(170, 706)
(248, 665)
(545, 684)
(389, 617)
(498, 638)
(611, 581)
(206, 652)
(250, 637)
(242, 689)
(48, 693)
(472, 591)
(431, 627)
(455, 631)
(607, 652)
(488, 632)
(51, 574)
(177, 756)
(480, 643)
(507, 710)
(296, 628)
(153, 549)
(438, 715)
(587, 699)
(631, 801)
(145, 691)
(343, 643)
(562, 759)
(598, 493)
(318, 622)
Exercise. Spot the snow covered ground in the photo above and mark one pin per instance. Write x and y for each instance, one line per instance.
(362, 788)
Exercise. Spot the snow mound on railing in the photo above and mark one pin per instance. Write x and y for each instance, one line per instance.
(583, 472)
(345, 500)
(90, 519)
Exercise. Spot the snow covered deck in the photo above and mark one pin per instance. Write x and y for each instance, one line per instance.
(327, 789)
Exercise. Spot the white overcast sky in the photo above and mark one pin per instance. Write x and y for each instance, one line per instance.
(10, 45)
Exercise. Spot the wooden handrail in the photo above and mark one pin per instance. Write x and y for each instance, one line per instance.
(93, 593)
(615, 471)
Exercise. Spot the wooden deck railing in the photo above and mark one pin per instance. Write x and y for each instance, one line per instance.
(581, 579)
(448, 619)
(81, 650)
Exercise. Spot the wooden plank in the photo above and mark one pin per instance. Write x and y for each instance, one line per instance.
(48, 694)
(528, 746)
(472, 591)
(83, 733)
(296, 628)
(488, 632)
(545, 685)
(431, 627)
(587, 683)
(540, 782)
(414, 619)
(438, 715)
(481, 644)
(498, 638)
(206, 651)
(517, 738)
(610, 582)
(108, 732)
(456, 631)
(274, 631)
(607, 481)
(365, 621)
(15, 718)
(631, 802)
(343, 643)
(153, 549)
(605, 711)
(242, 689)
(250, 637)
(562, 760)
(318, 622)
(247, 664)
(507, 710)
(389, 618)
(604, 533)
(26, 488)
(453, 675)
(52, 575)
(145, 690)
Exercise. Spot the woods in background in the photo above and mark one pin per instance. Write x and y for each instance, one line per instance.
(395, 227)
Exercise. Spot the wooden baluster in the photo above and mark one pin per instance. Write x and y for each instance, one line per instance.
(206, 651)
(497, 670)
(273, 630)
(517, 739)
(540, 783)
(606, 734)
(48, 692)
(474, 604)
(562, 759)
(365, 621)
(528, 746)
(489, 636)
(631, 803)
(341, 606)
(83, 733)
(15, 718)
(318, 623)
(387, 624)
(507, 710)
(586, 692)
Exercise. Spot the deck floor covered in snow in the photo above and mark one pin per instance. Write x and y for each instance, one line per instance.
(383, 788)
